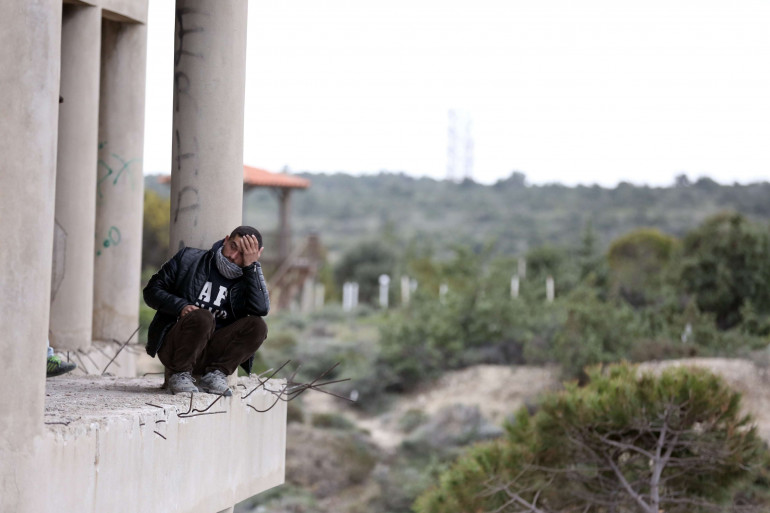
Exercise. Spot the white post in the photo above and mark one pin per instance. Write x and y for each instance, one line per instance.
(515, 287)
(405, 290)
(354, 295)
(549, 289)
(442, 291)
(346, 296)
(687, 333)
(308, 296)
(522, 268)
(384, 289)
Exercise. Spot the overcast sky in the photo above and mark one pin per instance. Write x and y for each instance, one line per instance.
(574, 91)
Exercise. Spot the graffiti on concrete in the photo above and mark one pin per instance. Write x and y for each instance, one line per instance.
(115, 167)
(188, 200)
(180, 155)
(112, 238)
(184, 29)
(59, 262)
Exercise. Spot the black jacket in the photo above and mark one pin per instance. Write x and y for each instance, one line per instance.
(178, 283)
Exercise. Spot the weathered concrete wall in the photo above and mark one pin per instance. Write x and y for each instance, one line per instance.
(30, 36)
(207, 145)
(73, 285)
(109, 457)
(119, 186)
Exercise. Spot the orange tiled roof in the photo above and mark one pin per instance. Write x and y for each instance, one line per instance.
(256, 177)
(262, 178)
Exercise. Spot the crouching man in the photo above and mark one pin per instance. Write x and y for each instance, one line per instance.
(209, 306)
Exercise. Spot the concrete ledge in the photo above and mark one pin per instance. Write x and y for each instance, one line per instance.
(120, 444)
(127, 11)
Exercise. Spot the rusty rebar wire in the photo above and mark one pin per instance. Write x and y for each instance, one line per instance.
(121, 348)
(293, 374)
(262, 382)
(82, 365)
(104, 353)
(163, 437)
(200, 413)
(195, 412)
(190, 408)
(150, 404)
(303, 387)
(313, 386)
(277, 398)
(89, 357)
(291, 390)
(62, 423)
(159, 421)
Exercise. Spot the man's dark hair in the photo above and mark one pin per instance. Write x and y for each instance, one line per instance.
(247, 230)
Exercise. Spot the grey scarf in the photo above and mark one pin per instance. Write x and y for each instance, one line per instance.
(227, 268)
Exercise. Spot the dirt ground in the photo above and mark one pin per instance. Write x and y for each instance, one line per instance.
(497, 390)
(501, 390)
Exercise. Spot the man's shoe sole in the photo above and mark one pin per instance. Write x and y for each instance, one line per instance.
(174, 392)
(226, 393)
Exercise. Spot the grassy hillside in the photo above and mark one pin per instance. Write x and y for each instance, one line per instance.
(345, 209)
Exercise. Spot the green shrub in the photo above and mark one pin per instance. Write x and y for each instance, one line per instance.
(676, 442)
(726, 263)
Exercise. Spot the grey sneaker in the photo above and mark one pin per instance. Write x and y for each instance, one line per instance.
(215, 382)
(181, 382)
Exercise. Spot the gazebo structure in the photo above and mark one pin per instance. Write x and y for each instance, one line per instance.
(290, 272)
(282, 185)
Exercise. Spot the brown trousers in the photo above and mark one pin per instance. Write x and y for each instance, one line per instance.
(192, 345)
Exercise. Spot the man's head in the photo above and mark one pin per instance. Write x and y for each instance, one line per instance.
(234, 243)
(247, 230)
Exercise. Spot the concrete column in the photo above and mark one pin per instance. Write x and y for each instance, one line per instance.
(207, 144)
(30, 38)
(72, 288)
(119, 183)
(284, 230)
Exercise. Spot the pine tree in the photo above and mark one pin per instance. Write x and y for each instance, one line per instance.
(671, 443)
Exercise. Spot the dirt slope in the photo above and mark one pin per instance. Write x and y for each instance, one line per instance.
(500, 390)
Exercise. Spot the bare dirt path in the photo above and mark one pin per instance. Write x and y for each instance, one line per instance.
(501, 390)
(497, 390)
